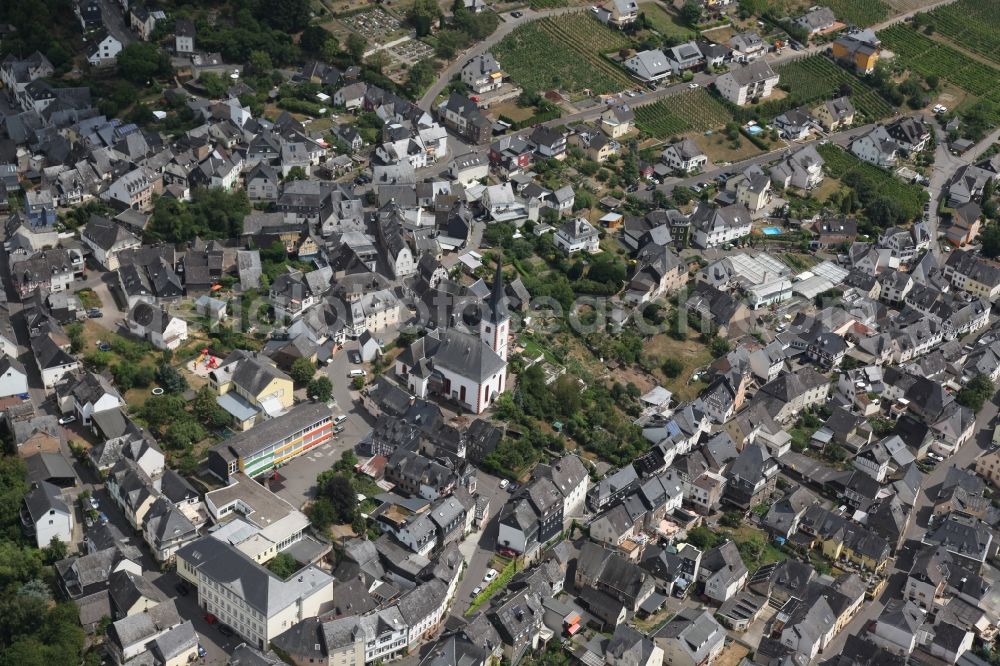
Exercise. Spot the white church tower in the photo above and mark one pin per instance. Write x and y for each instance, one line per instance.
(494, 329)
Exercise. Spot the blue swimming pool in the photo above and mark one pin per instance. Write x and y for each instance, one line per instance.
(771, 231)
(754, 130)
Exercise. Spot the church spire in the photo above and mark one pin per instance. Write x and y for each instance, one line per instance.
(497, 306)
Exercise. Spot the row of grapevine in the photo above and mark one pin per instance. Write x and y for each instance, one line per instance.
(691, 111)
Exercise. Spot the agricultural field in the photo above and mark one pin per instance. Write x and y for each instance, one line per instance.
(924, 56)
(539, 5)
(816, 77)
(973, 24)
(690, 111)
(664, 23)
(564, 53)
(845, 167)
(855, 12)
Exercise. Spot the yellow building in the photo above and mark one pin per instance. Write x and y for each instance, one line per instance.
(860, 51)
(251, 388)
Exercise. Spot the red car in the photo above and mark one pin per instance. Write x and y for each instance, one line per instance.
(211, 619)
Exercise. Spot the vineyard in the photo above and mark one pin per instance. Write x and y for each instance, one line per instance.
(690, 111)
(563, 53)
(538, 5)
(975, 24)
(925, 56)
(811, 79)
(857, 12)
(872, 182)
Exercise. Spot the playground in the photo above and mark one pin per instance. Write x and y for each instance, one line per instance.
(204, 363)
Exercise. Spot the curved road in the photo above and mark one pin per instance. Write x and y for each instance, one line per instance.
(507, 25)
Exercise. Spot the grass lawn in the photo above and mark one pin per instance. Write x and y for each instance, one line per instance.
(719, 35)
(88, 299)
(719, 149)
(799, 262)
(826, 189)
(691, 352)
(511, 110)
(664, 23)
(732, 654)
(767, 555)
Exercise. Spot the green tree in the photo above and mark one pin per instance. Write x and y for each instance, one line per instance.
(289, 16)
(55, 551)
(183, 434)
(703, 538)
(690, 13)
(295, 173)
(422, 15)
(718, 347)
(356, 46)
(731, 519)
(321, 513)
(343, 499)
(302, 371)
(673, 367)
(259, 63)
(283, 565)
(170, 379)
(320, 389)
(213, 84)
(141, 61)
(976, 393)
(347, 462)
(207, 410)
(990, 238)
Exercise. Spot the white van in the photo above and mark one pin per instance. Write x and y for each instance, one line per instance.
(356, 373)
(337, 420)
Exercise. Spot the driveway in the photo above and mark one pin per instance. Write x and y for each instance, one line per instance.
(478, 548)
(115, 22)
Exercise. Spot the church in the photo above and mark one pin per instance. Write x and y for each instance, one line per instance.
(466, 368)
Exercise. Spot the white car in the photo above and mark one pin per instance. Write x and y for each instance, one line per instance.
(93, 503)
(692, 86)
(504, 483)
(356, 373)
(337, 420)
(490, 575)
(476, 590)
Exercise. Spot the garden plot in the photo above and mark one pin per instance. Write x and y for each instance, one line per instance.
(694, 110)
(564, 53)
(375, 25)
(411, 51)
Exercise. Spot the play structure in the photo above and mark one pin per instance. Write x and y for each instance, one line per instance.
(204, 363)
(210, 364)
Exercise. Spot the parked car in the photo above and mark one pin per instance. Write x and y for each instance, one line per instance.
(338, 420)
(226, 630)
(93, 503)
(692, 86)
(67, 419)
(490, 575)
(356, 372)
(182, 588)
(211, 619)
(516, 14)
(476, 590)
(504, 483)
(94, 313)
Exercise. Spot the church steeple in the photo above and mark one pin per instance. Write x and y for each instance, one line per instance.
(495, 325)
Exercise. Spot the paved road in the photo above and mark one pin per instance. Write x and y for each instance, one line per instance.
(842, 139)
(507, 25)
(963, 458)
(116, 23)
(946, 163)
